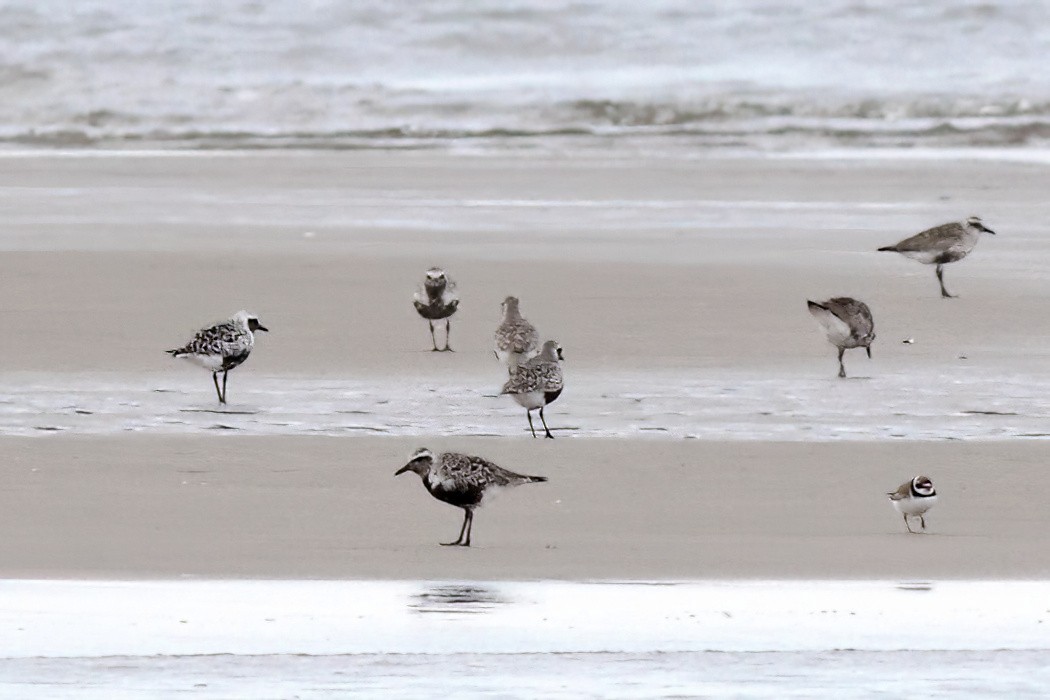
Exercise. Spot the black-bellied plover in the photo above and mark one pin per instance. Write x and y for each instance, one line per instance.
(941, 245)
(913, 498)
(847, 323)
(538, 382)
(516, 338)
(222, 347)
(437, 300)
(463, 481)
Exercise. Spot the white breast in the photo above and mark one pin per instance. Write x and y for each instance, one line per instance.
(530, 399)
(212, 363)
(914, 506)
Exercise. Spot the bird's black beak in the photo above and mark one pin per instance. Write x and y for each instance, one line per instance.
(560, 355)
(988, 230)
(263, 328)
(402, 470)
(869, 351)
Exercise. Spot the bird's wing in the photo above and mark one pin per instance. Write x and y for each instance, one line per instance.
(853, 313)
(527, 378)
(902, 492)
(551, 376)
(939, 238)
(834, 326)
(519, 337)
(462, 471)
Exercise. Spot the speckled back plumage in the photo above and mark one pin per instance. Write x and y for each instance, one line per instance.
(515, 335)
(462, 479)
(538, 374)
(230, 340)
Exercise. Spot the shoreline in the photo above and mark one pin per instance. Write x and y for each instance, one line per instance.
(331, 508)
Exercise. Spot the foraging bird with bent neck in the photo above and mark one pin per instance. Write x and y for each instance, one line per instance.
(847, 324)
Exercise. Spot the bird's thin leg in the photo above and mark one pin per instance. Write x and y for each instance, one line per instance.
(842, 367)
(459, 540)
(528, 414)
(448, 331)
(545, 424)
(224, 374)
(940, 278)
(470, 527)
(433, 340)
(215, 378)
(908, 525)
(922, 519)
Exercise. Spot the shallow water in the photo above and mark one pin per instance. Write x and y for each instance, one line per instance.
(320, 639)
(379, 74)
(670, 405)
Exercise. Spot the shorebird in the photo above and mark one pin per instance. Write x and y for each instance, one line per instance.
(538, 383)
(222, 347)
(847, 324)
(941, 245)
(913, 498)
(463, 481)
(436, 300)
(516, 338)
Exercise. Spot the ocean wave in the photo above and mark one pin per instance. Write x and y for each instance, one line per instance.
(762, 74)
(742, 125)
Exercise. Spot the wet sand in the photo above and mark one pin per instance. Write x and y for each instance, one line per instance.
(643, 269)
(313, 507)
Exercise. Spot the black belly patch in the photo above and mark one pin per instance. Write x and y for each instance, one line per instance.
(550, 396)
(458, 497)
(436, 311)
(232, 361)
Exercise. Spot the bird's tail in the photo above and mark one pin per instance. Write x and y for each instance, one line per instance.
(535, 479)
(175, 353)
(888, 248)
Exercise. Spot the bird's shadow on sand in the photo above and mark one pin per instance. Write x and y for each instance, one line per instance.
(219, 411)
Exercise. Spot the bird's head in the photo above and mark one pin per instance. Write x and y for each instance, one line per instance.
(510, 307)
(420, 462)
(249, 321)
(551, 351)
(436, 275)
(922, 486)
(974, 222)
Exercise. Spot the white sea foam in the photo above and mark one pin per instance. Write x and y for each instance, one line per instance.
(326, 638)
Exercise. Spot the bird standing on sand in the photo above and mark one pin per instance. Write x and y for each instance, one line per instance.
(847, 324)
(222, 347)
(516, 338)
(538, 383)
(941, 245)
(463, 481)
(913, 498)
(437, 300)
